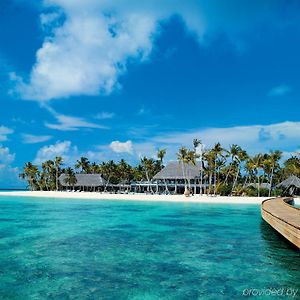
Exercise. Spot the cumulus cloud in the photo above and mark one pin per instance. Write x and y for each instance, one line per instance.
(257, 138)
(4, 132)
(70, 153)
(64, 149)
(8, 174)
(254, 138)
(279, 90)
(88, 43)
(119, 147)
(6, 158)
(34, 139)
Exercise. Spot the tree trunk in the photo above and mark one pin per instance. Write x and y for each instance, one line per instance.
(201, 177)
(227, 175)
(107, 182)
(271, 181)
(246, 180)
(215, 179)
(166, 186)
(149, 188)
(258, 186)
(235, 179)
(56, 179)
(209, 182)
(183, 173)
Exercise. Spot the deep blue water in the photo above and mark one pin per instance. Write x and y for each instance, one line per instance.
(72, 249)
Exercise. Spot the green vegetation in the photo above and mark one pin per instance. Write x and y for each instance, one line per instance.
(225, 171)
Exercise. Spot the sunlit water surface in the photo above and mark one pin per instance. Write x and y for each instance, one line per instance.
(79, 249)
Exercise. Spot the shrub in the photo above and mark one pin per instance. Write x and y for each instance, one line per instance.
(224, 189)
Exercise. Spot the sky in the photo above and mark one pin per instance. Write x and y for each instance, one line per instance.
(120, 79)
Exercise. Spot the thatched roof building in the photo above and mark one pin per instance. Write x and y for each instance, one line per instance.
(263, 185)
(173, 171)
(292, 181)
(84, 180)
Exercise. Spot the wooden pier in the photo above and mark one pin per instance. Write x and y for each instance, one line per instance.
(283, 217)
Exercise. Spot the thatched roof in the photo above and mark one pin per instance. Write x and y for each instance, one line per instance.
(291, 181)
(263, 185)
(173, 170)
(91, 180)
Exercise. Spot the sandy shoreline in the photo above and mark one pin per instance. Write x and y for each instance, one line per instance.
(139, 197)
(136, 197)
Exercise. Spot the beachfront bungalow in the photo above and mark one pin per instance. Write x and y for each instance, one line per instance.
(84, 182)
(174, 177)
(291, 185)
(262, 185)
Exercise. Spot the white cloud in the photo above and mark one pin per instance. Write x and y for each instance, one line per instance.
(70, 123)
(279, 90)
(104, 115)
(86, 53)
(71, 153)
(34, 139)
(4, 132)
(48, 19)
(64, 149)
(288, 154)
(84, 56)
(120, 147)
(148, 149)
(283, 136)
(8, 174)
(6, 158)
(254, 138)
(142, 111)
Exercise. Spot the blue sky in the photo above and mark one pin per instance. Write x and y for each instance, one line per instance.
(110, 79)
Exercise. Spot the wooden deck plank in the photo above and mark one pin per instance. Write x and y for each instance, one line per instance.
(283, 217)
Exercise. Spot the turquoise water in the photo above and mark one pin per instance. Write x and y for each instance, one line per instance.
(72, 249)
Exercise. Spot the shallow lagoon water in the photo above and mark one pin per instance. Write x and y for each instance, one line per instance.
(79, 249)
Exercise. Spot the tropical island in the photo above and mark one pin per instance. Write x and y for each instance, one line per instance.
(216, 171)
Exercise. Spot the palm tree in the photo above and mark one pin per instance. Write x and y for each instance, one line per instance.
(182, 157)
(84, 164)
(30, 173)
(191, 160)
(196, 144)
(209, 157)
(161, 153)
(124, 171)
(186, 157)
(107, 170)
(292, 166)
(57, 163)
(271, 163)
(255, 163)
(70, 177)
(94, 168)
(149, 167)
(217, 151)
(47, 175)
(240, 157)
(233, 154)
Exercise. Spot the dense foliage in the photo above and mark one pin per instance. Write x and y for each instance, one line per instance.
(224, 171)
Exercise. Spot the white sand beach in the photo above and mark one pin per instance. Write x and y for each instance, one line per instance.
(136, 197)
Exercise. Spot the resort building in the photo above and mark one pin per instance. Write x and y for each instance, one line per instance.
(172, 179)
(84, 182)
(175, 176)
(291, 185)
